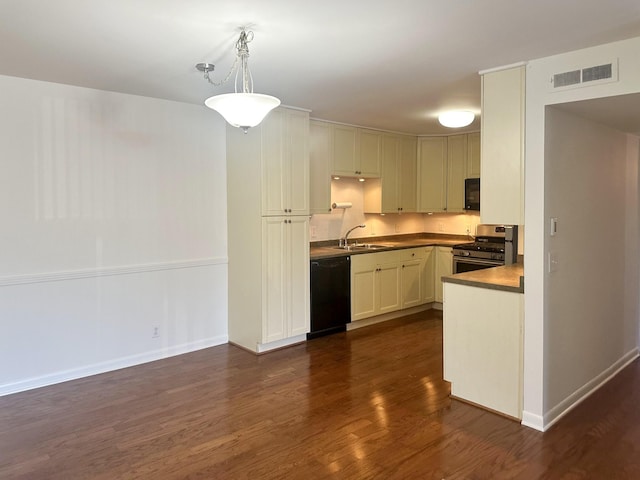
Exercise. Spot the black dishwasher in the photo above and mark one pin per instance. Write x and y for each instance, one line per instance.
(330, 295)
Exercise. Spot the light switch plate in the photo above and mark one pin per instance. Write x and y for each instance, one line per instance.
(553, 226)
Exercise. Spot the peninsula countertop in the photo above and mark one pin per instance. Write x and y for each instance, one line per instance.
(509, 278)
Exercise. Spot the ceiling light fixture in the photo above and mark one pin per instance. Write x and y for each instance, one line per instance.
(243, 109)
(456, 118)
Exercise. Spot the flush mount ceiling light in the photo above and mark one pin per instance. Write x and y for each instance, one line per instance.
(456, 118)
(243, 109)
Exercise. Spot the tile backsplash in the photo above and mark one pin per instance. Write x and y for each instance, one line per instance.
(335, 224)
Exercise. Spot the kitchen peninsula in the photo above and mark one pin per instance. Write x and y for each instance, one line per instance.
(482, 337)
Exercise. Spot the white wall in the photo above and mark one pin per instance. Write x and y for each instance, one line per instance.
(334, 225)
(113, 213)
(538, 96)
(592, 319)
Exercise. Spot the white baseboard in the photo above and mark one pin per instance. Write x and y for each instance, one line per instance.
(568, 404)
(109, 366)
(532, 421)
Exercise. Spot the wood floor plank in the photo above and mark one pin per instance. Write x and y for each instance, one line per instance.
(370, 403)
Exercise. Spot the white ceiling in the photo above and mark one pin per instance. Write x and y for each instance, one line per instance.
(386, 64)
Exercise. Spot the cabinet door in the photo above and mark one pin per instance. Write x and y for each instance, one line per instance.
(388, 288)
(503, 96)
(444, 266)
(429, 275)
(411, 283)
(274, 272)
(473, 155)
(456, 172)
(344, 150)
(432, 174)
(389, 174)
(363, 291)
(297, 162)
(369, 151)
(320, 153)
(298, 291)
(274, 164)
(407, 174)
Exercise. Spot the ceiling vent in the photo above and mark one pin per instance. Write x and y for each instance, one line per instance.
(587, 76)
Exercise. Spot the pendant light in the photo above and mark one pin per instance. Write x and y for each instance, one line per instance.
(243, 109)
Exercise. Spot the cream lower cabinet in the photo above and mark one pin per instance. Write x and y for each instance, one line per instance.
(482, 346)
(389, 281)
(429, 274)
(285, 296)
(375, 284)
(444, 266)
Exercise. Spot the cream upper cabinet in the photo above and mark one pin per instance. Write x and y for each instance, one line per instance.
(344, 150)
(503, 106)
(369, 152)
(285, 163)
(320, 154)
(443, 165)
(386, 200)
(285, 298)
(407, 174)
(473, 155)
(456, 172)
(395, 190)
(444, 266)
(432, 174)
(356, 151)
(382, 195)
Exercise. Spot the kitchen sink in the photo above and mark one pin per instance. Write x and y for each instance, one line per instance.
(362, 246)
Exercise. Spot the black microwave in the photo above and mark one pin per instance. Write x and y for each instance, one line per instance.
(472, 194)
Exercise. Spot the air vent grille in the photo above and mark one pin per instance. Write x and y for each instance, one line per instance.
(604, 73)
(565, 79)
(596, 73)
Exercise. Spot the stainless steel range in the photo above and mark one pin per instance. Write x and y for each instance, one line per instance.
(495, 245)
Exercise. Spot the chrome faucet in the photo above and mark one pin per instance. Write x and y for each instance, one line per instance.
(343, 241)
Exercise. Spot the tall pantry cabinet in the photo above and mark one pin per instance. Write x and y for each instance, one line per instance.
(268, 228)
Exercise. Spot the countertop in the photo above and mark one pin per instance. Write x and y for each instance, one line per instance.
(509, 278)
(328, 249)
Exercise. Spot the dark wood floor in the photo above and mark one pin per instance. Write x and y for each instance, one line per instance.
(370, 403)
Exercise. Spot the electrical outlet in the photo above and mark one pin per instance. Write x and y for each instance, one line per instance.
(397, 228)
(313, 231)
(468, 228)
(441, 227)
(156, 332)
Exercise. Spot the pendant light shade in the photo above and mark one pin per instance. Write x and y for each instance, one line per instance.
(242, 110)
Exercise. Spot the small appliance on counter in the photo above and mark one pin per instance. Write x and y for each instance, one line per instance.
(495, 245)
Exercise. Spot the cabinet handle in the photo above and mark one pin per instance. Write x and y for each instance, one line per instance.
(413, 254)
